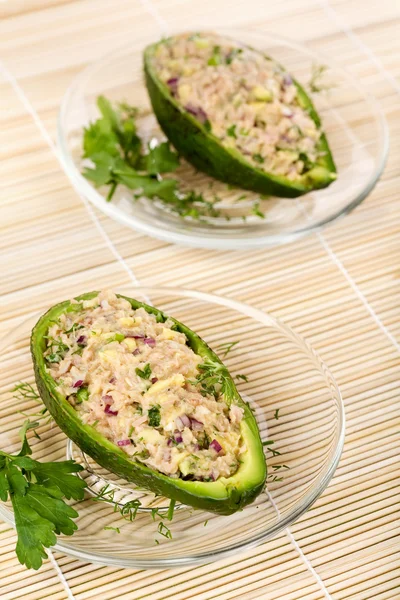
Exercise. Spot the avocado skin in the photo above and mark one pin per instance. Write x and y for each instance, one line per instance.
(205, 152)
(236, 492)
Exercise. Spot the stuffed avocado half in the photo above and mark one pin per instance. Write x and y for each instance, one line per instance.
(237, 115)
(147, 399)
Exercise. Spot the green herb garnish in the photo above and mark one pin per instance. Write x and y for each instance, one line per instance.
(231, 131)
(145, 372)
(37, 491)
(74, 308)
(315, 84)
(232, 54)
(242, 377)
(226, 348)
(118, 157)
(53, 358)
(128, 510)
(255, 209)
(143, 454)
(154, 416)
(171, 509)
(216, 58)
(214, 380)
(117, 337)
(116, 151)
(164, 530)
(82, 395)
(58, 350)
(75, 327)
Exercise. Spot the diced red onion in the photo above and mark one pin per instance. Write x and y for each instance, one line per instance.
(178, 438)
(216, 446)
(196, 425)
(108, 411)
(112, 380)
(136, 352)
(78, 383)
(287, 112)
(185, 420)
(287, 80)
(169, 442)
(197, 112)
(173, 84)
(107, 399)
(81, 339)
(154, 379)
(124, 443)
(149, 342)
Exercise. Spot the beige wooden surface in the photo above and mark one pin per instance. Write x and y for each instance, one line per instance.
(340, 289)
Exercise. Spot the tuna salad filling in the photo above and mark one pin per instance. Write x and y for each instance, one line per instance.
(137, 381)
(243, 98)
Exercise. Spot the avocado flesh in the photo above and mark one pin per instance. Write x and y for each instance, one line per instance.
(224, 496)
(206, 152)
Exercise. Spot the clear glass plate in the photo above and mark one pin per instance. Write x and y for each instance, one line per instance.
(352, 119)
(283, 373)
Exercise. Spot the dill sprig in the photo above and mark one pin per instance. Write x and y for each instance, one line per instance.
(214, 380)
(273, 477)
(225, 348)
(25, 391)
(317, 74)
(127, 511)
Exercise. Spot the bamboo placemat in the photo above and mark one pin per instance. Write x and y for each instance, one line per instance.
(340, 289)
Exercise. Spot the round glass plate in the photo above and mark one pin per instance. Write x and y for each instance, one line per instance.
(284, 374)
(352, 120)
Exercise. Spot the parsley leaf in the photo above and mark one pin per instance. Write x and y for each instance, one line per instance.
(154, 416)
(36, 491)
(60, 476)
(34, 533)
(160, 159)
(145, 372)
(118, 157)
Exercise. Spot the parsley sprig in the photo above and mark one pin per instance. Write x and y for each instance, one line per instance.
(37, 491)
(118, 156)
(116, 151)
(316, 84)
